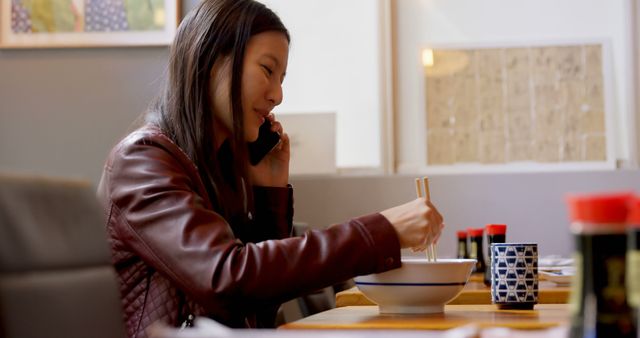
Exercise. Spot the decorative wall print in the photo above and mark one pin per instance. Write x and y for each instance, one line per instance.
(526, 104)
(87, 23)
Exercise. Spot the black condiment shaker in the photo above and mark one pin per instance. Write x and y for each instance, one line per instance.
(496, 233)
(599, 306)
(633, 262)
(476, 249)
(462, 244)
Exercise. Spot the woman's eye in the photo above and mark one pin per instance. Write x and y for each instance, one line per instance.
(268, 70)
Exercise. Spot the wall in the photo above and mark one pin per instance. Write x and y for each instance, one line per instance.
(532, 205)
(61, 110)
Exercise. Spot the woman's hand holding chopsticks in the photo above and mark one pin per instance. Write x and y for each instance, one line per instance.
(417, 223)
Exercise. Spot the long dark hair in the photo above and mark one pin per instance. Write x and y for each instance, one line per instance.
(212, 30)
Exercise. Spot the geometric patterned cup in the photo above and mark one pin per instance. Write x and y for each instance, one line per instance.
(514, 275)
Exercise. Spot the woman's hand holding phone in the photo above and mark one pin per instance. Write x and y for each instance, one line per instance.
(273, 169)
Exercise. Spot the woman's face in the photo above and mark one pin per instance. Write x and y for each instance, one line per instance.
(265, 65)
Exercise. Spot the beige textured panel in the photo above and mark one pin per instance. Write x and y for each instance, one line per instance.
(487, 86)
(490, 104)
(441, 89)
(549, 123)
(448, 63)
(519, 125)
(550, 110)
(517, 62)
(593, 61)
(490, 120)
(518, 95)
(595, 147)
(572, 148)
(574, 95)
(592, 121)
(439, 117)
(440, 98)
(569, 63)
(543, 64)
(546, 149)
(469, 70)
(519, 149)
(440, 146)
(549, 117)
(466, 145)
(572, 118)
(489, 63)
(493, 147)
(565, 90)
(594, 108)
(464, 105)
(491, 101)
(573, 92)
(518, 104)
(466, 116)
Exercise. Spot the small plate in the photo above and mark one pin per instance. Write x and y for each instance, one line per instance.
(554, 261)
(561, 277)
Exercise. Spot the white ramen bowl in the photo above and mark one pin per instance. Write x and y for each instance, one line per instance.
(418, 286)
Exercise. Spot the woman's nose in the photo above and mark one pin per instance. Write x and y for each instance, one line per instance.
(275, 94)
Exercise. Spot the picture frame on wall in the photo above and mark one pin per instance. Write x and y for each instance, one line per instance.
(87, 23)
(519, 106)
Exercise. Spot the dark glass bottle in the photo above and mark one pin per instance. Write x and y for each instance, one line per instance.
(633, 262)
(496, 233)
(598, 296)
(476, 249)
(462, 244)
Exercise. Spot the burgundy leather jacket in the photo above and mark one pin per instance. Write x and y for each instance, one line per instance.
(175, 256)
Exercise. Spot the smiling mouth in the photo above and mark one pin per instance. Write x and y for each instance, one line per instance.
(262, 114)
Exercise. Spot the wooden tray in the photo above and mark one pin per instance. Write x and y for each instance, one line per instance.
(543, 316)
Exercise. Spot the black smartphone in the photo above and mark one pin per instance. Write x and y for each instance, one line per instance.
(267, 140)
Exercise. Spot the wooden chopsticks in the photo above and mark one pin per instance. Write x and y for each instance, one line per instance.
(431, 252)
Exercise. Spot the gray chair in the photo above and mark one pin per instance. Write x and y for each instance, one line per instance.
(56, 279)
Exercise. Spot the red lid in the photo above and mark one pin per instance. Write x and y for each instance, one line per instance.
(461, 234)
(475, 232)
(599, 208)
(496, 229)
(633, 219)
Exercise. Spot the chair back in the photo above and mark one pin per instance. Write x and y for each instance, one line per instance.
(56, 279)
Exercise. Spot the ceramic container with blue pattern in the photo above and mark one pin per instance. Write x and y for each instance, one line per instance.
(514, 275)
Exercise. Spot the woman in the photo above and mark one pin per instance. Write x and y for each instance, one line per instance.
(194, 229)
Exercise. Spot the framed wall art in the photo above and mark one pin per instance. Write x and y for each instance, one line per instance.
(527, 105)
(87, 23)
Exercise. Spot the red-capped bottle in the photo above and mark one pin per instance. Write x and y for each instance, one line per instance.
(496, 233)
(598, 296)
(633, 261)
(476, 249)
(462, 244)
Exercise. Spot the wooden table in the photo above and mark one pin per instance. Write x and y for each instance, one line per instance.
(475, 292)
(484, 316)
